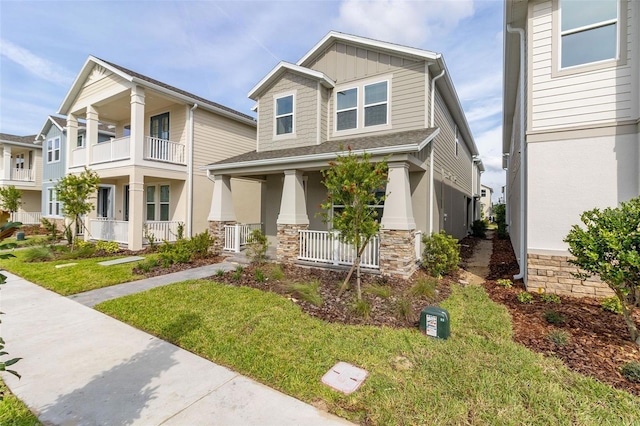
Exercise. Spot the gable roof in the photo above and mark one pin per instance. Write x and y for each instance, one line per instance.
(61, 124)
(282, 68)
(27, 141)
(391, 143)
(148, 82)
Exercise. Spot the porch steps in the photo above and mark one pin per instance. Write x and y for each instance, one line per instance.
(122, 260)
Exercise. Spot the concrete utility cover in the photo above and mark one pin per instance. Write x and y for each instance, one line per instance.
(345, 377)
(64, 265)
(119, 261)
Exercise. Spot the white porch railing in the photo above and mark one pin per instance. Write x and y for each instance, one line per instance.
(162, 230)
(25, 175)
(106, 229)
(164, 150)
(112, 150)
(26, 218)
(237, 236)
(418, 245)
(78, 156)
(326, 247)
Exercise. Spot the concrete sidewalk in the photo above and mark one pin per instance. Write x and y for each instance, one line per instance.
(81, 367)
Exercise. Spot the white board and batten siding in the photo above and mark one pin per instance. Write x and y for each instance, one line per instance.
(592, 97)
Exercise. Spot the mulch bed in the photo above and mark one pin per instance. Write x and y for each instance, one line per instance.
(599, 343)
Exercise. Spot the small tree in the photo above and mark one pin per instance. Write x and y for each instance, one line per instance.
(352, 184)
(608, 246)
(10, 198)
(76, 193)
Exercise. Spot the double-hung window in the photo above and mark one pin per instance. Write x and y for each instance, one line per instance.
(53, 150)
(347, 109)
(375, 104)
(588, 32)
(362, 106)
(53, 205)
(158, 204)
(80, 143)
(284, 115)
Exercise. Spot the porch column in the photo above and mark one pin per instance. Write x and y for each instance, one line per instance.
(397, 233)
(292, 218)
(221, 212)
(92, 133)
(136, 141)
(6, 162)
(92, 215)
(72, 138)
(137, 214)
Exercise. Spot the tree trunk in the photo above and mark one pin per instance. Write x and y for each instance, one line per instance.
(626, 313)
(356, 264)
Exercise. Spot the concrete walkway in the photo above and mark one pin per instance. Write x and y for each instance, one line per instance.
(81, 367)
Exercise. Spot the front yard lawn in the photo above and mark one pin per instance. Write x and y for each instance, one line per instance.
(478, 376)
(86, 275)
(14, 412)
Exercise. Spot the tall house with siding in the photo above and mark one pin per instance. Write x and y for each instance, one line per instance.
(571, 126)
(151, 181)
(371, 96)
(21, 168)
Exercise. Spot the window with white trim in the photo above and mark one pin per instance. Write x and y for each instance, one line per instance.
(588, 33)
(483, 192)
(54, 207)
(347, 109)
(53, 150)
(375, 104)
(284, 115)
(362, 106)
(80, 143)
(158, 202)
(378, 207)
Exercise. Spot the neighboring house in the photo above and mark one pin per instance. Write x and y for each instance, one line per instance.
(486, 194)
(571, 126)
(53, 140)
(22, 168)
(151, 182)
(388, 100)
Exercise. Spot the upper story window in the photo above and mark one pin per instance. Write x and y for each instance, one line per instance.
(457, 141)
(588, 33)
(53, 150)
(160, 126)
(80, 143)
(365, 105)
(483, 192)
(284, 115)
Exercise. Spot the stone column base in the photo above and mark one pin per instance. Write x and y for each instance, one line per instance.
(216, 230)
(552, 274)
(288, 242)
(397, 253)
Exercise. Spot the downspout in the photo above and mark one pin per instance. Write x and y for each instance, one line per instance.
(190, 173)
(433, 149)
(523, 159)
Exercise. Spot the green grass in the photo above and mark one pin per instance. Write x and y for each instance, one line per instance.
(13, 412)
(29, 240)
(86, 275)
(477, 376)
(307, 291)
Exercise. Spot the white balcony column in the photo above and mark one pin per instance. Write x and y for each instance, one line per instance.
(72, 137)
(398, 208)
(137, 141)
(137, 214)
(6, 162)
(221, 201)
(293, 208)
(91, 138)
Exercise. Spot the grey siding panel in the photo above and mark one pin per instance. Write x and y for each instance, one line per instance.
(57, 169)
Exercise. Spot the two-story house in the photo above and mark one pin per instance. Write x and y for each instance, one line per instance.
(151, 182)
(486, 206)
(21, 167)
(372, 96)
(571, 133)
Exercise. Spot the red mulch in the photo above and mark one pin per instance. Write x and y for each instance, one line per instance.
(599, 343)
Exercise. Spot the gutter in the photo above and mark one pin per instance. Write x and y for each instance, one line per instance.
(523, 160)
(190, 173)
(433, 149)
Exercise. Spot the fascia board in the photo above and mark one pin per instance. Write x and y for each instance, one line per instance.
(279, 69)
(24, 145)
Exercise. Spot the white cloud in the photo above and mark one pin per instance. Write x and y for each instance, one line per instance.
(34, 64)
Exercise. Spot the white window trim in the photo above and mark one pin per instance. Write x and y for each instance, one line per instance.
(51, 190)
(82, 143)
(53, 150)
(360, 85)
(291, 135)
(357, 89)
(156, 202)
(365, 106)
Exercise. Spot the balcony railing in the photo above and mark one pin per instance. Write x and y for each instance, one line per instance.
(106, 229)
(112, 150)
(161, 230)
(24, 175)
(163, 150)
(326, 247)
(26, 218)
(78, 157)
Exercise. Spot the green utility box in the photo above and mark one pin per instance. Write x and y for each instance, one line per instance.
(20, 236)
(434, 322)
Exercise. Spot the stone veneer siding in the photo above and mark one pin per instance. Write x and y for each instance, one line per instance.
(553, 275)
(397, 253)
(289, 242)
(216, 230)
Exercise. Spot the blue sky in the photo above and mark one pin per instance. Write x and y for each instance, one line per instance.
(220, 49)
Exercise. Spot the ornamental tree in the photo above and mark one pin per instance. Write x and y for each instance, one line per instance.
(10, 198)
(76, 193)
(608, 246)
(352, 182)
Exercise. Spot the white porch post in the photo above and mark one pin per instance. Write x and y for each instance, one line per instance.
(72, 138)
(92, 134)
(398, 208)
(6, 162)
(137, 214)
(292, 218)
(221, 201)
(136, 143)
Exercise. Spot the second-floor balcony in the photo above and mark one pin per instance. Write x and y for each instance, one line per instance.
(155, 149)
(23, 175)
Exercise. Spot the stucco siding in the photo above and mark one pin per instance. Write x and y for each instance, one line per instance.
(305, 113)
(579, 97)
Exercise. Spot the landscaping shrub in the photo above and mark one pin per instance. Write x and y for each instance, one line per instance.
(631, 371)
(479, 228)
(110, 247)
(51, 228)
(554, 317)
(378, 290)
(237, 274)
(309, 292)
(200, 244)
(147, 265)
(402, 309)
(259, 275)
(257, 247)
(38, 254)
(506, 283)
(499, 211)
(525, 297)
(559, 337)
(83, 252)
(550, 298)
(441, 254)
(424, 287)
(276, 273)
(361, 308)
(219, 272)
(612, 304)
